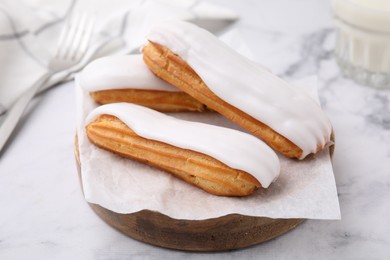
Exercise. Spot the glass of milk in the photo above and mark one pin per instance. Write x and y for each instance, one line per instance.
(363, 40)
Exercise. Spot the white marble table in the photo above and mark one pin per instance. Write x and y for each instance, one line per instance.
(43, 213)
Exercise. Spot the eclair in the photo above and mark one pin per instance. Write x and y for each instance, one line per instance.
(198, 63)
(219, 160)
(127, 79)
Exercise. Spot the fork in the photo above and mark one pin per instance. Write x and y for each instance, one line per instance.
(72, 45)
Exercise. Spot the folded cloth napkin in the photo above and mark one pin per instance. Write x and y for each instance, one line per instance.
(29, 30)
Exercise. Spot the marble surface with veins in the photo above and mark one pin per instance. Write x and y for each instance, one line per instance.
(43, 213)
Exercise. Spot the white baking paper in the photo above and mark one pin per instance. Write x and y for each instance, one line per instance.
(304, 189)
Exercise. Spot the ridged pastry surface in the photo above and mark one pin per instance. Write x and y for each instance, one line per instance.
(255, 94)
(165, 64)
(110, 133)
(126, 78)
(235, 149)
(164, 101)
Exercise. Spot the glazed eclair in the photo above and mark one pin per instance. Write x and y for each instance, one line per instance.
(127, 79)
(197, 62)
(219, 160)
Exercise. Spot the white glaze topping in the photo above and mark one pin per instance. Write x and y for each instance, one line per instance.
(236, 149)
(240, 82)
(121, 72)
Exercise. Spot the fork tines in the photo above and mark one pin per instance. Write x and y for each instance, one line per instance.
(75, 36)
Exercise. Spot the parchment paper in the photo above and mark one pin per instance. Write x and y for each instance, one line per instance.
(304, 189)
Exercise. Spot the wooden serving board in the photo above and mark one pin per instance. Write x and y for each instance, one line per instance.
(228, 232)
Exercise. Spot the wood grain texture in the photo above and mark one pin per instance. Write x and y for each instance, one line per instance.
(218, 234)
(228, 232)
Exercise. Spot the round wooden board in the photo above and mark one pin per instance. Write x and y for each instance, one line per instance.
(228, 232)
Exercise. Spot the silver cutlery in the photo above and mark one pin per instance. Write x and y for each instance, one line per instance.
(72, 47)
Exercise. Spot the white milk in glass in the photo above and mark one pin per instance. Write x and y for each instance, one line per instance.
(363, 40)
